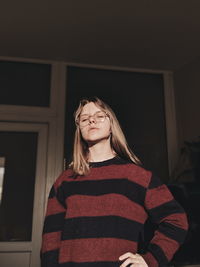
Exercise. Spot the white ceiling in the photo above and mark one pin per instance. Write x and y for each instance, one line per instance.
(151, 34)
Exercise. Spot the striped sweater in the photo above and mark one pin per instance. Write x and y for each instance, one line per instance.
(92, 220)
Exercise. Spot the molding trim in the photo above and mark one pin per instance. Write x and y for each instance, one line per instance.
(171, 125)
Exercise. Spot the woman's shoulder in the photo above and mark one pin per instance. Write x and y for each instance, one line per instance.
(136, 173)
(65, 176)
(119, 167)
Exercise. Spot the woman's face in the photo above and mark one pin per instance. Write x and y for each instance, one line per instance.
(94, 130)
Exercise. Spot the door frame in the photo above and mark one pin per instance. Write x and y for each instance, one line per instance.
(33, 246)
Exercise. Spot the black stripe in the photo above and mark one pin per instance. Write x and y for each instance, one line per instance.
(162, 211)
(49, 259)
(155, 182)
(99, 227)
(90, 264)
(54, 223)
(123, 186)
(158, 254)
(52, 192)
(114, 161)
(61, 196)
(58, 195)
(172, 232)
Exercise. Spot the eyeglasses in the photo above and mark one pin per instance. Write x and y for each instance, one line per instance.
(99, 116)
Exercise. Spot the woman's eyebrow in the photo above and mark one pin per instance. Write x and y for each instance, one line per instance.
(86, 114)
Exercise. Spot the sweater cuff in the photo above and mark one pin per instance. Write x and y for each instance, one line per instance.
(150, 260)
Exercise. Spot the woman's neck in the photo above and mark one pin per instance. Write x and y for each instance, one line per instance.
(100, 151)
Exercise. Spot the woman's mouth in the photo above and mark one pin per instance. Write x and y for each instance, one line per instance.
(93, 128)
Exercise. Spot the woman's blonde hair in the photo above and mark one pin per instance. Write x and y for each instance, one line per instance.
(79, 164)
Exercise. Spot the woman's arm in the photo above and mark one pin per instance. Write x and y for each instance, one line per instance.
(171, 220)
(53, 225)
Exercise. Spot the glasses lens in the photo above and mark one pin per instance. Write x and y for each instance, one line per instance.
(100, 117)
(83, 121)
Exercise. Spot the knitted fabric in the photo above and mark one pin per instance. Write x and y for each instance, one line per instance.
(92, 220)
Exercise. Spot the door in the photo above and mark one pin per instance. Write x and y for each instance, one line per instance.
(23, 150)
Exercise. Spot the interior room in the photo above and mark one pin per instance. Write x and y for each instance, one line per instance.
(141, 57)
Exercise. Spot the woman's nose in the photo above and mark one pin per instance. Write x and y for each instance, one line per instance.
(92, 119)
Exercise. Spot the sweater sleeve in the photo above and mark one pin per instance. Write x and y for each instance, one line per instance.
(53, 225)
(171, 220)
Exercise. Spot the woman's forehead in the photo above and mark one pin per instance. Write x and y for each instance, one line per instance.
(90, 108)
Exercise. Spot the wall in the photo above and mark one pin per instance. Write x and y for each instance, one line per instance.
(187, 98)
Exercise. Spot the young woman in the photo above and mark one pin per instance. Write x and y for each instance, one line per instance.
(98, 206)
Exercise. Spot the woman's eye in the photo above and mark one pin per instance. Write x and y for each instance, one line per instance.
(84, 120)
(100, 116)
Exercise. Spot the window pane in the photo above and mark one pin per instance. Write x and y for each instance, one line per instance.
(26, 84)
(18, 157)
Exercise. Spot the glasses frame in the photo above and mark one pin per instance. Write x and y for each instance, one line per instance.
(93, 116)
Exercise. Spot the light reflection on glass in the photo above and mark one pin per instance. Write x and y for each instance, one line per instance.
(2, 171)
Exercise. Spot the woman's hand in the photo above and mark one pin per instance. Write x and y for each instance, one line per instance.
(134, 259)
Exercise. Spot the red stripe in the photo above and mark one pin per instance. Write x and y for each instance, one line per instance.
(95, 249)
(54, 207)
(50, 241)
(150, 260)
(131, 171)
(177, 219)
(158, 196)
(168, 245)
(106, 205)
